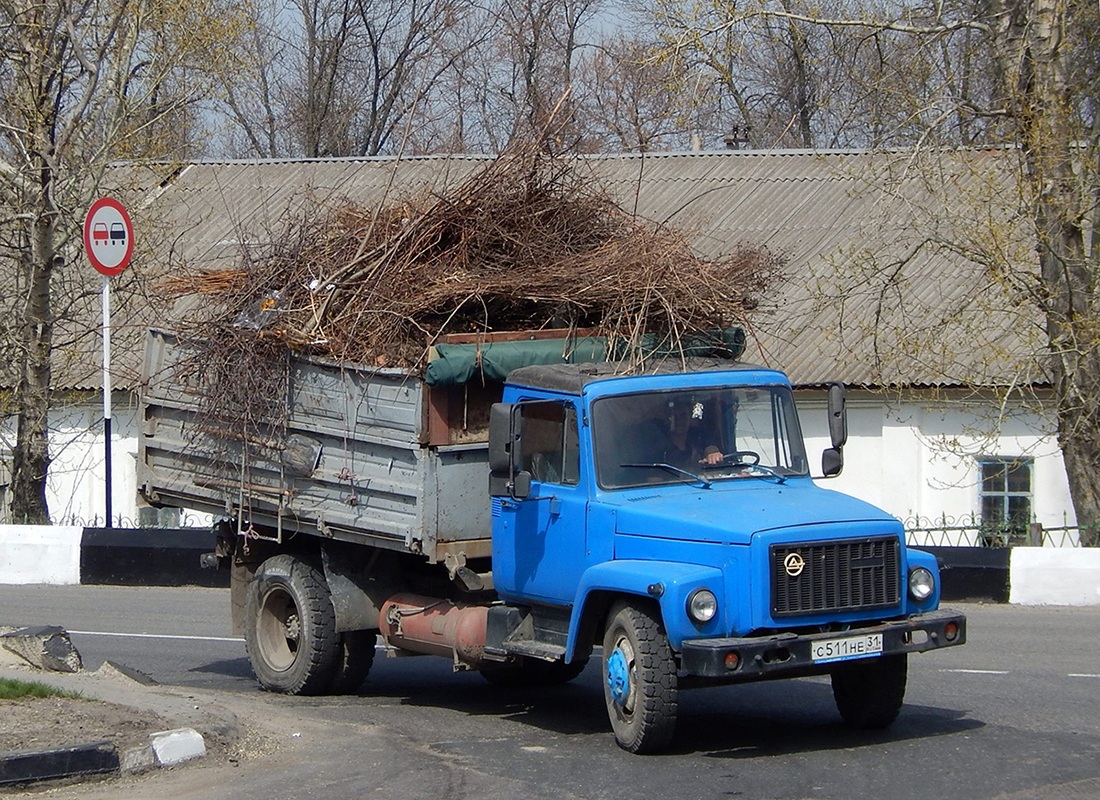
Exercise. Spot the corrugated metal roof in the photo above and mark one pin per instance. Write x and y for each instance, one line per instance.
(875, 290)
(225, 207)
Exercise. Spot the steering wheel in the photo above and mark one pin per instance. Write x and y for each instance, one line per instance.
(740, 457)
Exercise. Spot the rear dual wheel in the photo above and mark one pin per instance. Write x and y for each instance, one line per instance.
(356, 656)
(291, 637)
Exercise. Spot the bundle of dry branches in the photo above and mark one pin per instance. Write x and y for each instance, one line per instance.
(522, 244)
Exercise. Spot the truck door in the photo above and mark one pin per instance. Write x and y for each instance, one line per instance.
(539, 542)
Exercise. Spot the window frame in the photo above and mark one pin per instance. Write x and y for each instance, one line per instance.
(566, 439)
(777, 417)
(1007, 525)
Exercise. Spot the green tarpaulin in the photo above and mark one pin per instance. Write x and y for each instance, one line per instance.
(455, 364)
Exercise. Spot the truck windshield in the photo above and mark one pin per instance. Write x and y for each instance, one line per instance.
(697, 435)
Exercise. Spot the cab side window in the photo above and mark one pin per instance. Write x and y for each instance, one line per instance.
(550, 448)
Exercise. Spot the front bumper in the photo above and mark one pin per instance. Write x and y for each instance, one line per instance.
(788, 654)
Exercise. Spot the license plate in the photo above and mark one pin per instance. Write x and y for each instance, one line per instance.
(846, 648)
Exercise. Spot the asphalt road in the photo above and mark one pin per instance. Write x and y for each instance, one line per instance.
(1013, 714)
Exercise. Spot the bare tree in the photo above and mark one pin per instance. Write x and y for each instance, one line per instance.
(347, 77)
(463, 112)
(638, 101)
(540, 42)
(1023, 73)
(767, 78)
(1050, 97)
(252, 100)
(81, 83)
(786, 81)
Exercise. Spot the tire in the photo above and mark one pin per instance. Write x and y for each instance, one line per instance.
(353, 662)
(290, 633)
(869, 693)
(533, 672)
(639, 678)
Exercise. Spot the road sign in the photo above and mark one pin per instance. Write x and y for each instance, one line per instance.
(108, 236)
(109, 243)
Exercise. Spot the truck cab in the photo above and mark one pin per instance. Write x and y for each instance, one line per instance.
(675, 513)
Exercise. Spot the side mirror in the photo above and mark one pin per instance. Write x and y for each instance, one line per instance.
(500, 438)
(838, 415)
(832, 462)
(505, 433)
(832, 459)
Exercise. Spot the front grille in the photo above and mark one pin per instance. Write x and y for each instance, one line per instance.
(835, 576)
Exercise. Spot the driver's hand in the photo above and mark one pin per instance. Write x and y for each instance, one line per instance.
(712, 458)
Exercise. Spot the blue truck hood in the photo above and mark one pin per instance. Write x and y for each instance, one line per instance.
(732, 511)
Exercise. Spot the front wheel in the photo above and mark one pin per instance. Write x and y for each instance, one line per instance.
(639, 678)
(869, 693)
(290, 633)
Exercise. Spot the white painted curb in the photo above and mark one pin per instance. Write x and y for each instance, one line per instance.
(50, 554)
(40, 554)
(165, 749)
(1054, 576)
(176, 746)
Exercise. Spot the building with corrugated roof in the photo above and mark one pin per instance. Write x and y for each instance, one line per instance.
(901, 278)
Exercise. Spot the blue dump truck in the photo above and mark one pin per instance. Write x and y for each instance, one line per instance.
(521, 507)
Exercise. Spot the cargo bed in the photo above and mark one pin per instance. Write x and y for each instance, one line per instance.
(368, 456)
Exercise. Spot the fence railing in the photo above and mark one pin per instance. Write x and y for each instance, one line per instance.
(969, 531)
(147, 518)
(944, 531)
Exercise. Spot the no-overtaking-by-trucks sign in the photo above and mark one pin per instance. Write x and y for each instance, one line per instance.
(108, 236)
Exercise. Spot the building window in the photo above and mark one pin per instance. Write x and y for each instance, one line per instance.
(1006, 499)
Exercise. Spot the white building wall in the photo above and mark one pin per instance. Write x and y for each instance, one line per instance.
(76, 489)
(919, 459)
(76, 485)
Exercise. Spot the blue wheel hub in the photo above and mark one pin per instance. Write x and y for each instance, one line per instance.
(618, 676)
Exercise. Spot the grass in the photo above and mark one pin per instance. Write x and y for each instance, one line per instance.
(15, 690)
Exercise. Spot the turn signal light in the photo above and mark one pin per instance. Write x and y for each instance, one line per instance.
(732, 660)
(951, 631)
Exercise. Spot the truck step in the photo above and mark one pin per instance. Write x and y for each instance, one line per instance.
(542, 650)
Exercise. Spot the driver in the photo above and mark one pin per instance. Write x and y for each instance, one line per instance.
(685, 446)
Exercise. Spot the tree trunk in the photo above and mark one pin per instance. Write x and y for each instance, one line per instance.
(801, 97)
(1034, 55)
(30, 456)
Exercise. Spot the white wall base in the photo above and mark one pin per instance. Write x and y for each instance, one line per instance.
(50, 554)
(40, 554)
(1054, 576)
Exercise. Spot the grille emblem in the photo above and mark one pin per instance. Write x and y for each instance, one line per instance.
(794, 564)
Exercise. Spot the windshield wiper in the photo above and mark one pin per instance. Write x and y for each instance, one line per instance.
(768, 471)
(703, 482)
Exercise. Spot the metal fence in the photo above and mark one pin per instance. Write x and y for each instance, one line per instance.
(942, 531)
(147, 518)
(969, 531)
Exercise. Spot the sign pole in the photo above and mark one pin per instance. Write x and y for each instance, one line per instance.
(108, 243)
(107, 393)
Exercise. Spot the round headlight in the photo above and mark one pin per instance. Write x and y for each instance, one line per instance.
(921, 584)
(702, 605)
